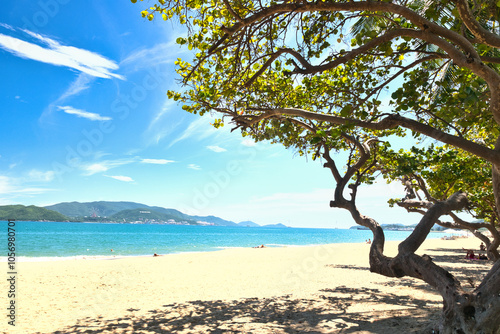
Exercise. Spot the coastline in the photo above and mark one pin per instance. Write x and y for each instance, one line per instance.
(3, 259)
(58, 241)
(124, 295)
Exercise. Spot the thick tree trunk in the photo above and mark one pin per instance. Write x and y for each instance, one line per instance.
(495, 177)
(470, 313)
(476, 312)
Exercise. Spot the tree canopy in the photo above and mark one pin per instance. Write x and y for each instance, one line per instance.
(329, 75)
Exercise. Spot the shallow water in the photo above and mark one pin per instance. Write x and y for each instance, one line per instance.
(45, 240)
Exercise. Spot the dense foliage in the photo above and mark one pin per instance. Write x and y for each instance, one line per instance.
(30, 213)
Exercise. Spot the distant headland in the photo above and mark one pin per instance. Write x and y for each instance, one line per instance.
(397, 227)
(115, 212)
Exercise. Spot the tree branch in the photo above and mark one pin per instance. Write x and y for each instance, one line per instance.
(389, 122)
(414, 203)
(483, 35)
(492, 60)
(372, 6)
(397, 74)
(330, 164)
(231, 10)
(456, 201)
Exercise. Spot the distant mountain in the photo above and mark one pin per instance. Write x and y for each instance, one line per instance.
(101, 208)
(147, 215)
(214, 220)
(275, 226)
(248, 224)
(172, 212)
(110, 209)
(30, 213)
(132, 212)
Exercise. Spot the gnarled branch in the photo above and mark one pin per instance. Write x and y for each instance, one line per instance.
(389, 122)
(482, 35)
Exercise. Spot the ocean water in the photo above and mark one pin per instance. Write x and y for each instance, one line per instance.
(55, 240)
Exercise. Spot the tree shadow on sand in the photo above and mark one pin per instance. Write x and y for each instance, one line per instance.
(339, 310)
(469, 272)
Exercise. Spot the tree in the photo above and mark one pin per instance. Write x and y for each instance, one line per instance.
(315, 75)
(438, 172)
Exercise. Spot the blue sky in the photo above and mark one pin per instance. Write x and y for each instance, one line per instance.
(85, 117)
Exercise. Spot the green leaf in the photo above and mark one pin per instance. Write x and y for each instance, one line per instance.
(180, 41)
(346, 110)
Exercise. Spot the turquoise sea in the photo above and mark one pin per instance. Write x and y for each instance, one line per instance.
(50, 240)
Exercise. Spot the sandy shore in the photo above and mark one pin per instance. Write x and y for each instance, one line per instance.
(319, 289)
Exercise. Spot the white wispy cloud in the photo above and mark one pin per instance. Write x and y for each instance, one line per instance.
(6, 26)
(54, 53)
(155, 63)
(216, 149)
(162, 53)
(14, 188)
(104, 166)
(20, 99)
(162, 123)
(157, 161)
(121, 178)
(248, 142)
(5, 184)
(164, 110)
(194, 166)
(79, 85)
(96, 168)
(198, 129)
(36, 175)
(84, 114)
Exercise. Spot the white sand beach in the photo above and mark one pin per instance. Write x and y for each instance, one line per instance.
(317, 289)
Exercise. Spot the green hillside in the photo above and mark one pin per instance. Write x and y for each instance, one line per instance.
(101, 208)
(147, 215)
(214, 220)
(105, 211)
(30, 213)
(111, 209)
(172, 212)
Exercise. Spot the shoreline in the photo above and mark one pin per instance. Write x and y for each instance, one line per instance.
(323, 287)
(29, 259)
(43, 258)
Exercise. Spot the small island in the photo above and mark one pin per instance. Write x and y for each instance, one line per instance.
(397, 227)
